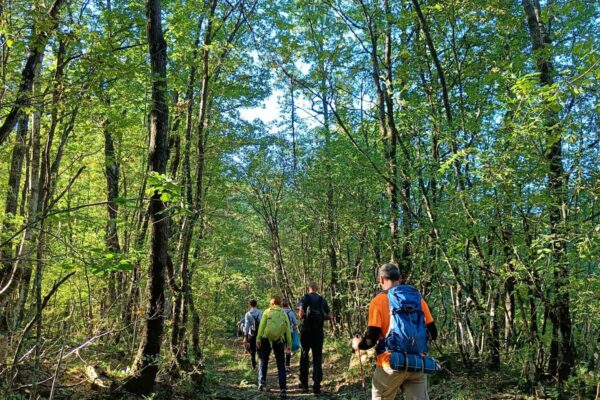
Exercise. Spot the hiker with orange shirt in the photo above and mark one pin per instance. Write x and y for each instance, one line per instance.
(411, 338)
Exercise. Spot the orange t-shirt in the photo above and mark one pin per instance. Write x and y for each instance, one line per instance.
(379, 316)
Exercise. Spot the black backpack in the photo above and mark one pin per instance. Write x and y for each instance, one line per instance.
(315, 314)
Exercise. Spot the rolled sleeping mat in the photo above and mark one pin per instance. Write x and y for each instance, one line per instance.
(414, 363)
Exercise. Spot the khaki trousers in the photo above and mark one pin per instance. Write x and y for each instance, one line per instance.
(386, 383)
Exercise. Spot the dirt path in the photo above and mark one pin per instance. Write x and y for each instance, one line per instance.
(232, 377)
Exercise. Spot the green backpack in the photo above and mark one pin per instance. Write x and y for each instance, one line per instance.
(275, 325)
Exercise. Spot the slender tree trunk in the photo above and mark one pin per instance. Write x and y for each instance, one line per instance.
(562, 356)
(278, 259)
(111, 170)
(12, 195)
(39, 40)
(174, 154)
(22, 266)
(494, 331)
(194, 194)
(390, 153)
(10, 211)
(45, 191)
(146, 364)
(178, 333)
(509, 292)
(388, 137)
(194, 197)
(330, 206)
(293, 129)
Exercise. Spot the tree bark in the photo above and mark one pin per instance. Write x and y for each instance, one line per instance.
(494, 331)
(146, 364)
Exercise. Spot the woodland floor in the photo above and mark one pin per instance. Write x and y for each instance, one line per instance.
(228, 376)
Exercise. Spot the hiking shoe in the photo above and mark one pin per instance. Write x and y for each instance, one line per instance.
(303, 387)
(317, 391)
(262, 387)
(283, 394)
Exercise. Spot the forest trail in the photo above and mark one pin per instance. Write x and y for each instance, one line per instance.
(230, 376)
(164, 162)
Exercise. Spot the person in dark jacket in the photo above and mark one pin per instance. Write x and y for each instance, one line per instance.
(313, 311)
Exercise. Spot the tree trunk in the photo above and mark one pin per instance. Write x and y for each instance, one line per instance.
(12, 195)
(39, 40)
(22, 267)
(146, 364)
(494, 331)
(45, 191)
(111, 170)
(178, 349)
(194, 198)
(390, 144)
(562, 357)
(277, 255)
(293, 130)
(330, 206)
(388, 136)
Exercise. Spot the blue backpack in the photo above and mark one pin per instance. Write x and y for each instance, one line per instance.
(407, 332)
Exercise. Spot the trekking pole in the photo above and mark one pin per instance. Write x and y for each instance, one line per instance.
(362, 373)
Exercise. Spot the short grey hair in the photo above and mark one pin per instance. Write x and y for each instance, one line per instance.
(390, 272)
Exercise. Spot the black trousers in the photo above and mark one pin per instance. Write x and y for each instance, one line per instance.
(263, 364)
(251, 348)
(311, 341)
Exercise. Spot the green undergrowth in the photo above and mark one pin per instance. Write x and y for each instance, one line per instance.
(229, 377)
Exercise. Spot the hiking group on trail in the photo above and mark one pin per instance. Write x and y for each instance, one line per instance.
(399, 326)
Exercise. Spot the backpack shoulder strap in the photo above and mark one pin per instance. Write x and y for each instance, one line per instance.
(305, 302)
